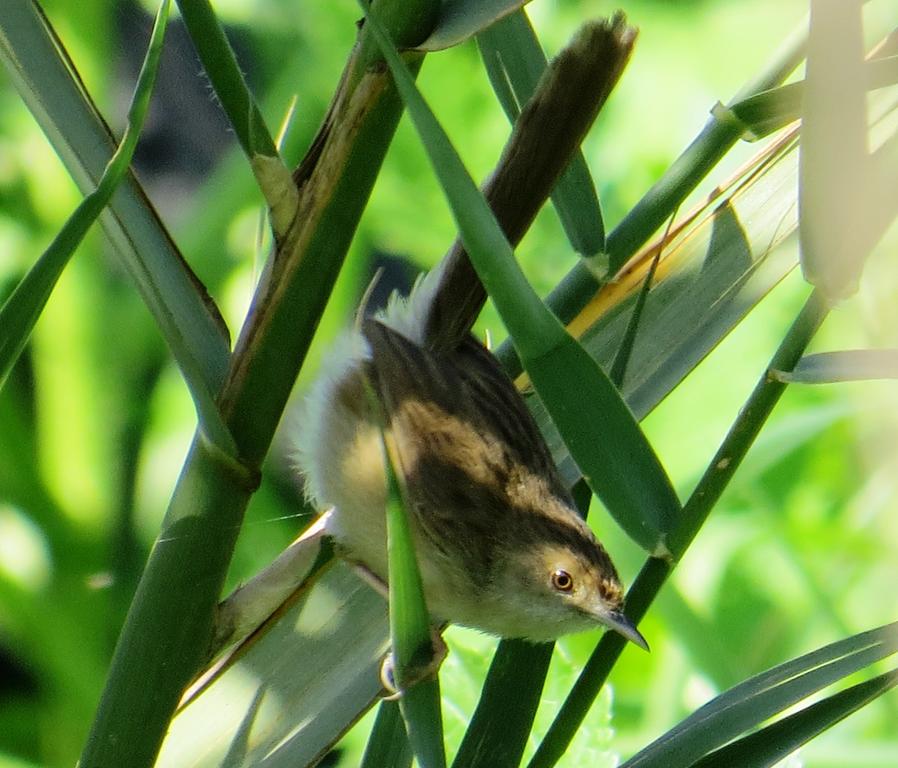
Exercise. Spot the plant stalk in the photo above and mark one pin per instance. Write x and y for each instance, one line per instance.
(707, 492)
(171, 621)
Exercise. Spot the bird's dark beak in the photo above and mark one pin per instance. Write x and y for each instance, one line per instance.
(622, 625)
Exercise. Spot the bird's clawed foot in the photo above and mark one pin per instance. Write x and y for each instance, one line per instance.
(425, 665)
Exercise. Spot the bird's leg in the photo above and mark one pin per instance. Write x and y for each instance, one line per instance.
(429, 666)
(419, 672)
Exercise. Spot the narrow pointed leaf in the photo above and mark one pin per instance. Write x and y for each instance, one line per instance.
(410, 627)
(849, 365)
(409, 620)
(20, 312)
(514, 62)
(601, 433)
(770, 745)
(775, 108)
(413, 656)
(461, 19)
(749, 704)
(388, 745)
(47, 81)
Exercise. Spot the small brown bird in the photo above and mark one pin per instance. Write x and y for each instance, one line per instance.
(500, 545)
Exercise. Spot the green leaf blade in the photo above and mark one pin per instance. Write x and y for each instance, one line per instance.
(49, 84)
(410, 627)
(561, 370)
(767, 747)
(460, 19)
(748, 704)
(606, 442)
(388, 745)
(515, 61)
(847, 365)
(409, 619)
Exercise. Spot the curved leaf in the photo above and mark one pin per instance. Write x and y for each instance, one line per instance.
(461, 19)
(49, 84)
(515, 61)
(410, 630)
(765, 748)
(278, 686)
(749, 704)
(602, 435)
(849, 365)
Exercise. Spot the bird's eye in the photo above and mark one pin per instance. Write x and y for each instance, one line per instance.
(562, 580)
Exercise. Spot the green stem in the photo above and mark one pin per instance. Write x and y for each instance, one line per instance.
(171, 621)
(224, 73)
(276, 336)
(744, 431)
(707, 492)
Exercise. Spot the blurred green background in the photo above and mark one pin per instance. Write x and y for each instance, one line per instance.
(95, 421)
